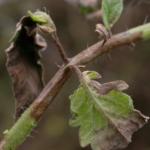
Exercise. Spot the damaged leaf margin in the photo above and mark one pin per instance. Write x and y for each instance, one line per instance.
(105, 115)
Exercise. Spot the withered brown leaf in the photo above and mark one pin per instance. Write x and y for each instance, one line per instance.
(23, 63)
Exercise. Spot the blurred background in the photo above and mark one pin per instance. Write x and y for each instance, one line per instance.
(128, 63)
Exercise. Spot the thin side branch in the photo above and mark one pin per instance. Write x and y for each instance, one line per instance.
(60, 48)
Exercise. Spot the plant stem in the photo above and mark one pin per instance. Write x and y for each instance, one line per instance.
(60, 48)
(23, 127)
(18, 133)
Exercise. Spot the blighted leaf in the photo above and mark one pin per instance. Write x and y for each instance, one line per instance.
(23, 63)
(106, 117)
(111, 10)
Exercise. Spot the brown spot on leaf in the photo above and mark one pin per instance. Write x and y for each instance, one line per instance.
(119, 132)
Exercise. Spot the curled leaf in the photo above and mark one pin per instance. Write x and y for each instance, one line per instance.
(23, 63)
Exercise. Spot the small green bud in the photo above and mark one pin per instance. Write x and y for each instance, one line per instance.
(5, 132)
(43, 20)
(91, 75)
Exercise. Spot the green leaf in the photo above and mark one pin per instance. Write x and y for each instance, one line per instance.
(86, 115)
(108, 121)
(116, 103)
(112, 10)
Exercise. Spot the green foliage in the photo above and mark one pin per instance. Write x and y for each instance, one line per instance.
(86, 115)
(100, 116)
(91, 111)
(116, 104)
(112, 10)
